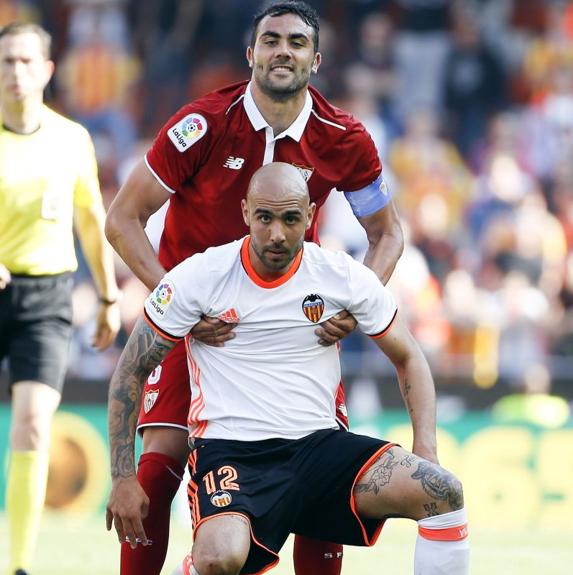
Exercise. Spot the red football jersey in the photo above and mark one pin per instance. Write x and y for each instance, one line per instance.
(208, 151)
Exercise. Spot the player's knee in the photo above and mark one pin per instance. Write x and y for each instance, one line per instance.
(443, 487)
(29, 433)
(218, 562)
(455, 492)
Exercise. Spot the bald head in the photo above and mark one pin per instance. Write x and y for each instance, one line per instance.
(279, 181)
(278, 211)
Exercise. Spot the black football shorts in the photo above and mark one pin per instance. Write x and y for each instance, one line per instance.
(282, 486)
(36, 328)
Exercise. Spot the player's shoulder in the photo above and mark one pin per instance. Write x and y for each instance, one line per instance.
(320, 257)
(334, 262)
(218, 104)
(216, 259)
(221, 257)
(333, 119)
(209, 115)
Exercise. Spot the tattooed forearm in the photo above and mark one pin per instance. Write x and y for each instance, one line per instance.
(143, 352)
(440, 484)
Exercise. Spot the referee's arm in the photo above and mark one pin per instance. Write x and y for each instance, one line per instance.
(89, 224)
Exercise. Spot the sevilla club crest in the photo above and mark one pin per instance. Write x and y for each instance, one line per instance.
(313, 306)
(149, 399)
(305, 171)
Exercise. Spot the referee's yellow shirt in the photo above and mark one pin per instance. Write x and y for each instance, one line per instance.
(42, 177)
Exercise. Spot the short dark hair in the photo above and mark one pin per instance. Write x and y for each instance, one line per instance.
(16, 28)
(305, 12)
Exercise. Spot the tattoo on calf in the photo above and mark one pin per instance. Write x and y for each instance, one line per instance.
(439, 484)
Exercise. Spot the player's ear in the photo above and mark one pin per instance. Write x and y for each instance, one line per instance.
(49, 67)
(316, 63)
(250, 56)
(245, 210)
(310, 214)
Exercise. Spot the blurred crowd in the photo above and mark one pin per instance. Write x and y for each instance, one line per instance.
(470, 104)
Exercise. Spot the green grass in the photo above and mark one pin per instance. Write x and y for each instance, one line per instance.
(73, 546)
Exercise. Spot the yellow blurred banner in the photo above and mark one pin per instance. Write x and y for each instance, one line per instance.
(515, 475)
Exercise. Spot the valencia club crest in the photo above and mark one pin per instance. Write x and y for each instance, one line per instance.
(313, 306)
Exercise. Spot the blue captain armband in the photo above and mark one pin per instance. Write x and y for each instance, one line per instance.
(370, 199)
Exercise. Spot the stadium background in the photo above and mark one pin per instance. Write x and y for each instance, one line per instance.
(471, 106)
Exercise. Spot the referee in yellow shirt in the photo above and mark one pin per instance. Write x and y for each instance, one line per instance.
(48, 182)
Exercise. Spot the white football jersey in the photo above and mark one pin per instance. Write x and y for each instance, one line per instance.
(273, 379)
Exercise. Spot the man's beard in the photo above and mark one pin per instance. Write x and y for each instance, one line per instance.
(282, 93)
(277, 266)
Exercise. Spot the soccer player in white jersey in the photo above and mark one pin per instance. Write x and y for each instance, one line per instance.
(269, 458)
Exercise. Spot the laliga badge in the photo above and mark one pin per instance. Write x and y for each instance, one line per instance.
(187, 131)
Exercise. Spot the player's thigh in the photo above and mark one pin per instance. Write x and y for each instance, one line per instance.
(222, 542)
(41, 330)
(164, 407)
(171, 441)
(166, 394)
(403, 484)
(6, 313)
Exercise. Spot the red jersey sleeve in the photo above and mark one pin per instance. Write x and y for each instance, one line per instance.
(176, 152)
(361, 159)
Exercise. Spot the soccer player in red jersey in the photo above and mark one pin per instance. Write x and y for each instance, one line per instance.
(202, 161)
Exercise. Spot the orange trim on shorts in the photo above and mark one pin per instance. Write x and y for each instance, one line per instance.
(255, 540)
(363, 469)
(192, 489)
(159, 330)
(256, 278)
(456, 533)
(387, 329)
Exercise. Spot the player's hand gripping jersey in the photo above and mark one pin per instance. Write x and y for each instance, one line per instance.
(273, 379)
(206, 155)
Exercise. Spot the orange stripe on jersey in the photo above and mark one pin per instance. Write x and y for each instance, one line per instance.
(387, 329)
(456, 533)
(199, 430)
(198, 403)
(162, 333)
(362, 471)
(247, 264)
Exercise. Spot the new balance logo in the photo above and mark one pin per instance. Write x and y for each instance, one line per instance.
(234, 163)
(229, 316)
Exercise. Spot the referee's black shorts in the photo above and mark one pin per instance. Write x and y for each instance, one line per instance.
(282, 486)
(36, 327)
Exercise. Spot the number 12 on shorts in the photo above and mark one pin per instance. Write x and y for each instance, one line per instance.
(225, 477)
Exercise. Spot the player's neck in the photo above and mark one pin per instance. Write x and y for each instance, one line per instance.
(264, 273)
(22, 117)
(279, 114)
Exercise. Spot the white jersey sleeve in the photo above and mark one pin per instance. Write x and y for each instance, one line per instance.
(175, 305)
(372, 304)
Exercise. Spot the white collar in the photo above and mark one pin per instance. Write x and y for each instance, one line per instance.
(295, 130)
